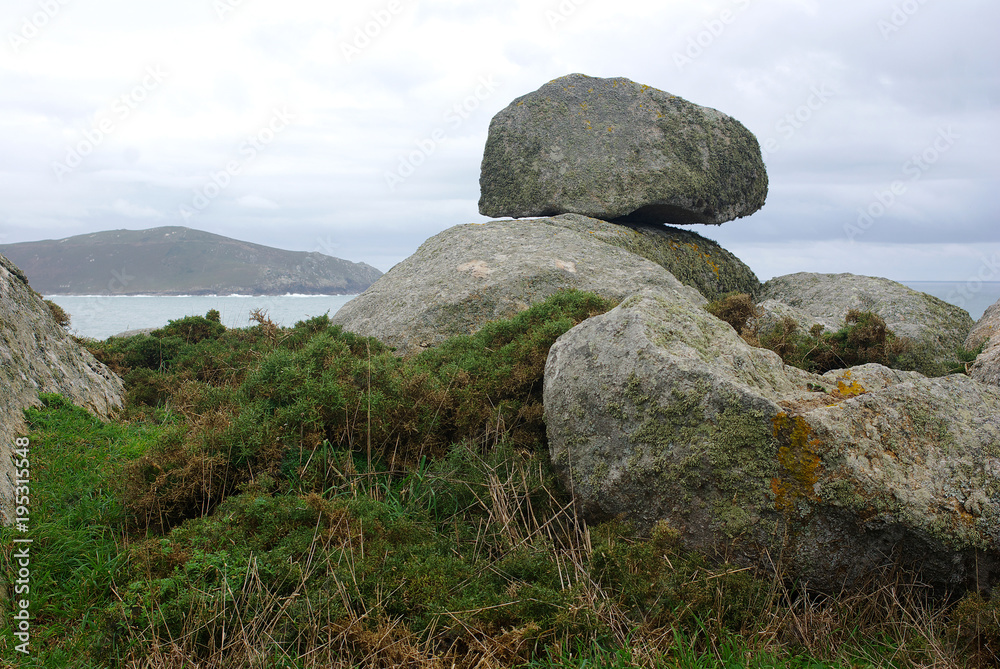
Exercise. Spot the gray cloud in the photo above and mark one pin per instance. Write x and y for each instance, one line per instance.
(840, 96)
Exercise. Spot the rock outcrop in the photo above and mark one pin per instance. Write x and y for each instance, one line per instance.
(986, 333)
(469, 275)
(658, 411)
(938, 329)
(612, 148)
(37, 356)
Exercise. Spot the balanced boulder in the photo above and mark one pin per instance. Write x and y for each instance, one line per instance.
(613, 148)
(937, 329)
(469, 275)
(38, 356)
(986, 333)
(658, 412)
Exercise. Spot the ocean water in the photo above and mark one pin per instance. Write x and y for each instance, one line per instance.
(973, 296)
(100, 316)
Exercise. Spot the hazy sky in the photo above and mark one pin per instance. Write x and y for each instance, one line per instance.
(279, 122)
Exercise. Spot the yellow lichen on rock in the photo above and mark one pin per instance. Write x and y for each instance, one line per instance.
(799, 462)
(848, 387)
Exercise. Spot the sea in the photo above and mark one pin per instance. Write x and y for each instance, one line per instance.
(101, 316)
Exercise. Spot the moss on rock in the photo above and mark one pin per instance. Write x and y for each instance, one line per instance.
(695, 260)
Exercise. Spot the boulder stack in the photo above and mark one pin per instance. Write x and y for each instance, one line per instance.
(659, 412)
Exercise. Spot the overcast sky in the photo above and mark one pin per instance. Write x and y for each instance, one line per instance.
(277, 122)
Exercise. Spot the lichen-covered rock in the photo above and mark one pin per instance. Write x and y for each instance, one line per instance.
(37, 356)
(938, 329)
(657, 411)
(694, 260)
(469, 275)
(610, 148)
(986, 333)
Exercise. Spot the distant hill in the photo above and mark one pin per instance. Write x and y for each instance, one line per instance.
(180, 261)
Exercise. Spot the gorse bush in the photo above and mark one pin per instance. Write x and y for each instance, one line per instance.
(864, 338)
(267, 401)
(738, 310)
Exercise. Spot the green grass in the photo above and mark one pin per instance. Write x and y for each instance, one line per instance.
(301, 497)
(78, 550)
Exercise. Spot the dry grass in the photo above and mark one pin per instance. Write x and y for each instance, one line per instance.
(893, 622)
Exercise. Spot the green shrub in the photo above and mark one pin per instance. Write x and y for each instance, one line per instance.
(864, 338)
(664, 585)
(191, 329)
(149, 387)
(126, 353)
(963, 360)
(494, 377)
(316, 388)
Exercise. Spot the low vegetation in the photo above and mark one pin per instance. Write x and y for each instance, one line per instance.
(301, 497)
(863, 338)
